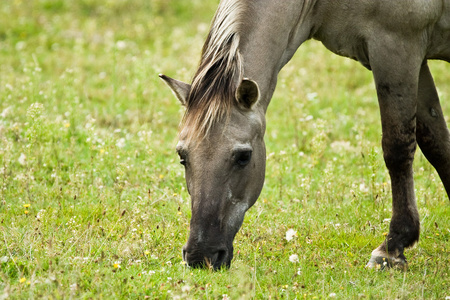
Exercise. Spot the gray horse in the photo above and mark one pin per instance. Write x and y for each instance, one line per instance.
(221, 140)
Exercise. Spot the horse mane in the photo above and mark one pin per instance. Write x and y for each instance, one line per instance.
(220, 71)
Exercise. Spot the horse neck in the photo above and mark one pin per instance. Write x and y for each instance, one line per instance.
(271, 38)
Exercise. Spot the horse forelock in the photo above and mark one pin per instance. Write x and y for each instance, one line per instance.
(213, 88)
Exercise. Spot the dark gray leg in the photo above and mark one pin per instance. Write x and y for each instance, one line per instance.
(432, 133)
(396, 74)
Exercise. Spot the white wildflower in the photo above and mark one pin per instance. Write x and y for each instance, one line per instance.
(185, 288)
(311, 96)
(22, 159)
(40, 214)
(20, 45)
(6, 111)
(339, 146)
(290, 234)
(120, 143)
(293, 258)
(363, 188)
(121, 45)
(35, 111)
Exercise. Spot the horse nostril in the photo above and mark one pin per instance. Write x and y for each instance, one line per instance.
(221, 259)
(221, 256)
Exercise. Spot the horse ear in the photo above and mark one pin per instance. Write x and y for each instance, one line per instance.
(247, 93)
(179, 89)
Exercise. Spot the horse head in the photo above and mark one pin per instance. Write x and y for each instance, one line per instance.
(224, 169)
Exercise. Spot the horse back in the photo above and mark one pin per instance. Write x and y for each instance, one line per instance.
(347, 26)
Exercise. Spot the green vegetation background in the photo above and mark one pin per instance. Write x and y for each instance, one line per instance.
(93, 203)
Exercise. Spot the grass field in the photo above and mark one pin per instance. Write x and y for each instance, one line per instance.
(93, 200)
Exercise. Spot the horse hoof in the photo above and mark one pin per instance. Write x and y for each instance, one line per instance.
(379, 261)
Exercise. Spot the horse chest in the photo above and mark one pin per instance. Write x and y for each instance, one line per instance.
(348, 45)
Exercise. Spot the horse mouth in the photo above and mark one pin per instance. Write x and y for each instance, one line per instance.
(215, 260)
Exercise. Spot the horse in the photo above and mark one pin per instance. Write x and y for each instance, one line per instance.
(221, 136)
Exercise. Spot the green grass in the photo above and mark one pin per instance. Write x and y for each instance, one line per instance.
(93, 200)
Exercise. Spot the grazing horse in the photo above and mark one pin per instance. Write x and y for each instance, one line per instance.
(221, 138)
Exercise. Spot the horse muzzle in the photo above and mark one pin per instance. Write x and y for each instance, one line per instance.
(210, 257)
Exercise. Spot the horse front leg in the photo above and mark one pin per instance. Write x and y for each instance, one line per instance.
(396, 74)
(432, 133)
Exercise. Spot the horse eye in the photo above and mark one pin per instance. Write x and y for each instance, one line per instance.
(243, 158)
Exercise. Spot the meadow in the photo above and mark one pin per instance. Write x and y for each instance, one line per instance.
(93, 202)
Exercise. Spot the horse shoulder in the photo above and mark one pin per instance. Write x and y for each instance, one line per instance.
(414, 24)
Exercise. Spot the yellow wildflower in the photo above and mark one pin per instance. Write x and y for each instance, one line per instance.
(27, 205)
(22, 280)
